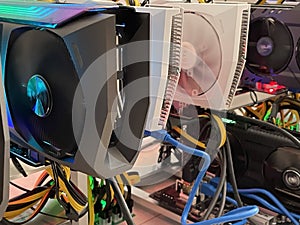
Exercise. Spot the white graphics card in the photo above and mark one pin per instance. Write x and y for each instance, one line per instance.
(213, 53)
(165, 46)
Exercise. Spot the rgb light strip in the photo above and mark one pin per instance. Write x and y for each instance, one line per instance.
(43, 15)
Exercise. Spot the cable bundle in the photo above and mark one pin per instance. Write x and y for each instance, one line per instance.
(282, 111)
(103, 199)
(238, 215)
(60, 186)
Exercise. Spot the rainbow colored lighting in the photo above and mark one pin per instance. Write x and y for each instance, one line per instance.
(42, 15)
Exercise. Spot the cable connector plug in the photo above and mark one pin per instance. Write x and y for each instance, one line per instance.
(157, 134)
(215, 181)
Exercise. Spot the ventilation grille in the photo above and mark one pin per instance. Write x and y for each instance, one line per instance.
(174, 68)
(241, 59)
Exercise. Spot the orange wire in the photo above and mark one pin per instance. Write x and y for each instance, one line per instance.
(41, 177)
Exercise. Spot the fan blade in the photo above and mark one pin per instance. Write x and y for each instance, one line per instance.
(201, 70)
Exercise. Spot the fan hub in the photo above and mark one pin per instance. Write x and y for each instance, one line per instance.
(189, 56)
(265, 46)
(291, 178)
(39, 95)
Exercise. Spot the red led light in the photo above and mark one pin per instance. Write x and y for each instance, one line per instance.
(272, 87)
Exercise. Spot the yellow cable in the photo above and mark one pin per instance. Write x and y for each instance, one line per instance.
(131, 178)
(286, 118)
(12, 214)
(292, 117)
(137, 3)
(200, 144)
(189, 137)
(78, 207)
(120, 183)
(112, 193)
(127, 178)
(90, 203)
(119, 179)
(67, 171)
(222, 129)
(35, 212)
(259, 111)
(31, 198)
(261, 2)
(291, 101)
(134, 178)
(203, 116)
(274, 121)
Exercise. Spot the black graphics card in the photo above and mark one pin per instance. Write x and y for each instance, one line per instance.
(265, 157)
(60, 79)
(273, 49)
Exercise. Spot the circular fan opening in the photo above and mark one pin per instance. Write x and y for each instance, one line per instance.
(40, 82)
(277, 168)
(201, 55)
(270, 46)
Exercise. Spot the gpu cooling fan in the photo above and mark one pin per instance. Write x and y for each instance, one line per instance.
(60, 77)
(273, 47)
(273, 165)
(213, 54)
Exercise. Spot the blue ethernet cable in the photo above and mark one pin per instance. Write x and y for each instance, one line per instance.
(209, 190)
(269, 205)
(274, 199)
(240, 214)
(283, 210)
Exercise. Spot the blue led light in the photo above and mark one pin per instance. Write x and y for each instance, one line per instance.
(39, 95)
(34, 12)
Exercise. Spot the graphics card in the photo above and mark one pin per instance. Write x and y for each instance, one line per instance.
(213, 53)
(165, 25)
(165, 47)
(60, 76)
(265, 157)
(139, 41)
(273, 58)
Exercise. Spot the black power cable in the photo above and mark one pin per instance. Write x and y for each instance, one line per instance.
(231, 174)
(144, 2)
(214, 200)
(223, 200)
(19, 187)
(56, 182)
